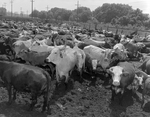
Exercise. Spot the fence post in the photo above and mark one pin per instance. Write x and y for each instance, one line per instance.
(107, 28)
(145, 34)
(121, 31)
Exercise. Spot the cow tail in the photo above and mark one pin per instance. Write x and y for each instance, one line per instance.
(48, 77)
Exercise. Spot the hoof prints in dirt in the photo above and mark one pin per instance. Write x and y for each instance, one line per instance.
(81, 101)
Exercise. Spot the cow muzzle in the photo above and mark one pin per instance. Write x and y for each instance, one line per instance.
(94, 64)
(116, 83)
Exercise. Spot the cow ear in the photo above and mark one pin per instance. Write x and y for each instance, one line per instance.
(116, 49)
(110, 69)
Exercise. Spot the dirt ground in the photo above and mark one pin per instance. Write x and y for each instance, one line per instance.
(82, 100)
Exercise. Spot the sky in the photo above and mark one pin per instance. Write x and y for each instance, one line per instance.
(25, 5)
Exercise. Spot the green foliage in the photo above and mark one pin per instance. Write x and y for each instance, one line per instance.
(82, 14)
(35, 13)
(116, 14)
(107, 12)
(2, 11)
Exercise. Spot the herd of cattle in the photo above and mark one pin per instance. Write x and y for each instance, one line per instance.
(34, 54)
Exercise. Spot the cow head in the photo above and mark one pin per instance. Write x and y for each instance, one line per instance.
(94, 64)
(117, 73)
(56, 55)
(22, 54)
(80, 60)
(137, 82)
(107, 58)
(122, 54)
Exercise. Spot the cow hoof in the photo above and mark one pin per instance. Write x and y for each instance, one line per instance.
(9, 102)
(112, 99)
(43, 110)
(29, 109)
(120, 103)
(48, 112)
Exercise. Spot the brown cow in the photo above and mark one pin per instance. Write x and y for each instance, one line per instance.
(25, 78)
(122, 76)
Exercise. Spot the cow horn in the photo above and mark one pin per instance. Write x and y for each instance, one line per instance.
(62, 48)
(55, 44)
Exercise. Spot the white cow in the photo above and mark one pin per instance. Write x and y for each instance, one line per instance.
(122, 76)
(99, 55)
(121, 51)
(81, 59)
(65, 60)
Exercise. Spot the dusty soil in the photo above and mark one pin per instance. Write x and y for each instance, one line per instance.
(82, 100)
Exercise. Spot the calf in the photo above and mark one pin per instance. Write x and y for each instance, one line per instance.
(81, 59)
(26, 78)
(142, 79)
(103, 56)
(122, 76)
(133, 48)
(121, 51)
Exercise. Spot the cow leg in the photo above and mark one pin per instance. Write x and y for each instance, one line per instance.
(14, 94)
(143, 99)
(57, 78)
(66, 85)
(113, 95)
(81, 78)
(66, 81)
(45, 103)
(9, 93)
(121, 99)
(34, 101)
(57, 84)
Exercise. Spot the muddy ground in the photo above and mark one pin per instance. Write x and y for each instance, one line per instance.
(82, 100)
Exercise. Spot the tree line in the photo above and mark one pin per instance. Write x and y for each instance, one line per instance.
(115, 14)
(121, 14)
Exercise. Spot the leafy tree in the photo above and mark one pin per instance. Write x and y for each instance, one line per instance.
(107, 12)
(43, 15)
(115, 14)
(35, 13)
(50, 14)
(82, 14)
(3, 11)
(124, 20)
